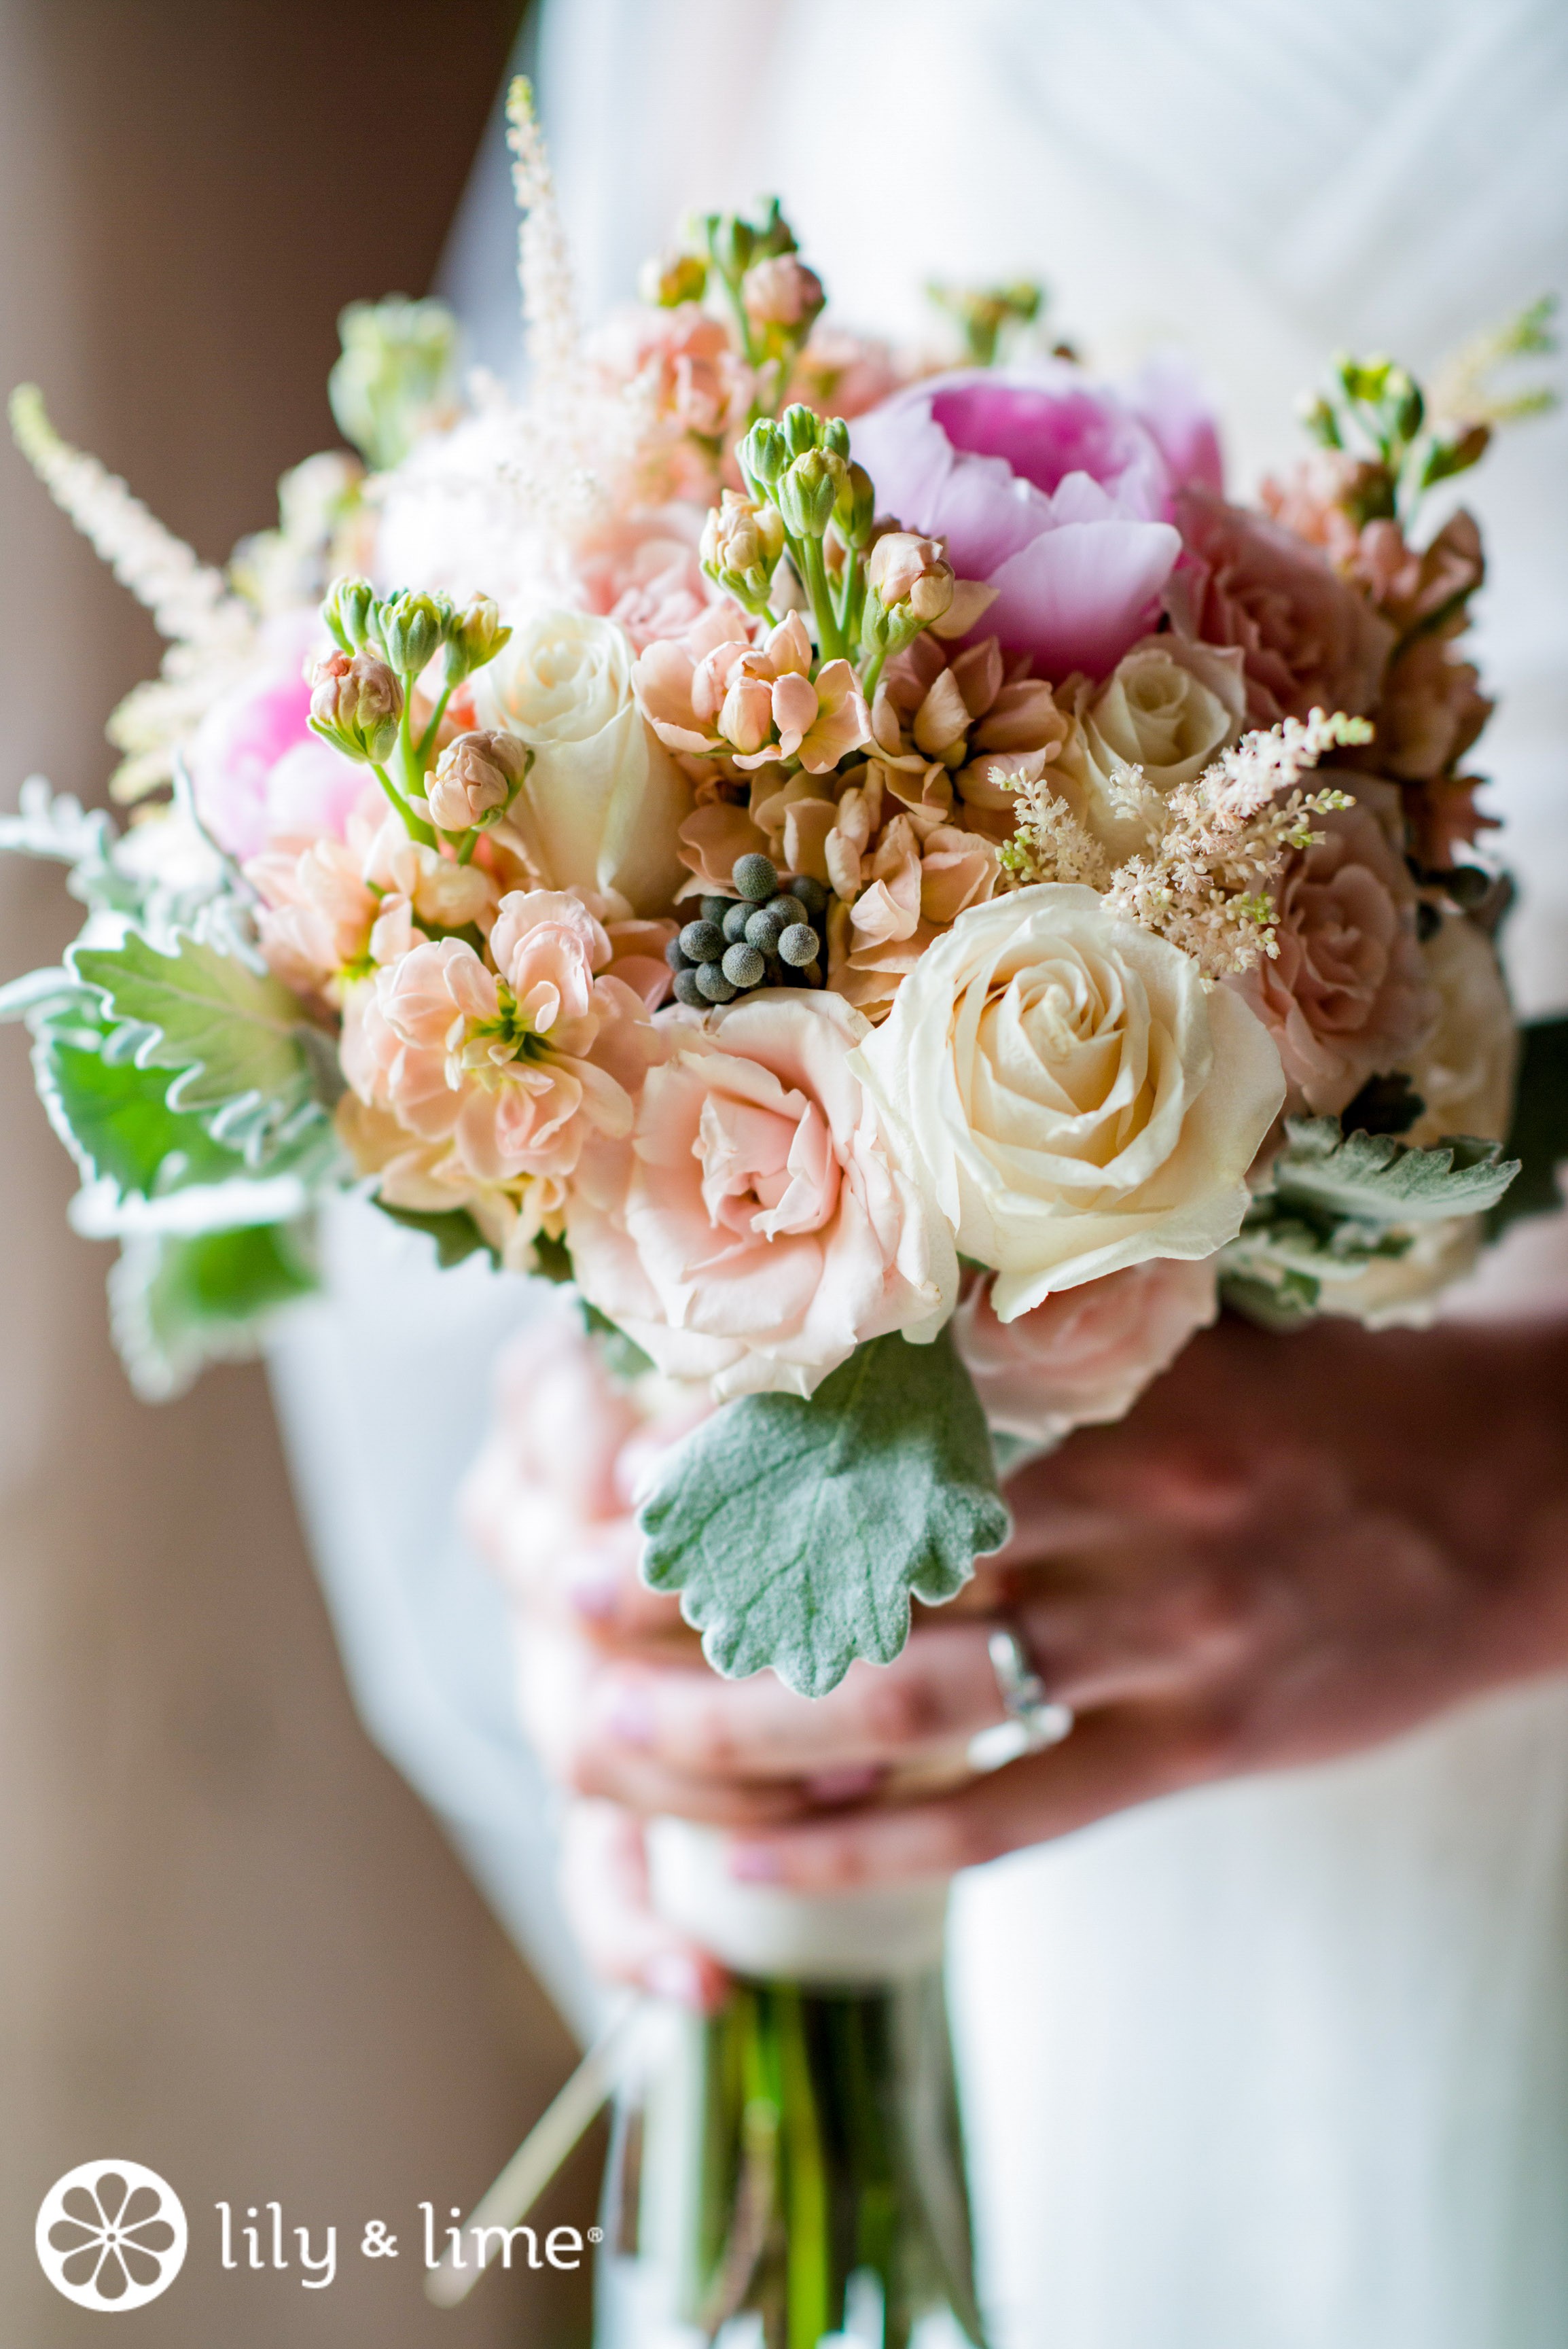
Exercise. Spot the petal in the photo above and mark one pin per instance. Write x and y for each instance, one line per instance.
(1077, 597)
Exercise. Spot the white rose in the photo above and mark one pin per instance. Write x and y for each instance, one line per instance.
(1073, 1095)
(1170, 706)
(602, 801)
(1467, 1072)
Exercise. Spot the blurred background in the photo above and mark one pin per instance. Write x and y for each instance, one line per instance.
(233, 1944)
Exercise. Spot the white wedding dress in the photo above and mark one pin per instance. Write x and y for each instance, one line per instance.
(1283, 2064)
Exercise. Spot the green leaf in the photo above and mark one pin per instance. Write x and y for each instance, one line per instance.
(177, 1304)
(1376, 1179)
(454, 1231)
(234, 1034)
(798, 1532)
(1540, 1136)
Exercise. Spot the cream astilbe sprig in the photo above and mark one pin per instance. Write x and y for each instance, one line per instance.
(1204, 884)
(1051, 844)
(543, 263)
(211, 630)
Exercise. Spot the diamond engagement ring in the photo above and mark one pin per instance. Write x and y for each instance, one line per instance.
(1034, 1720)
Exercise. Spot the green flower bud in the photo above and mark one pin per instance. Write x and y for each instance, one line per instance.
(764, 452)
(833, 434)
(854, 508)
(397, 376)
(808, 491)
(412, 628)
(741, 544)
(345, 614)
(672, 278)
(474, 637)
(355, 705)
(732, 241)
(800, 426)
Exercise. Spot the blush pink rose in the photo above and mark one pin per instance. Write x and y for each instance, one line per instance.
(755, 1229)
(1348, 996)
(1084, 1356)
(1053, 490)
(645, 569)
(1308, 640)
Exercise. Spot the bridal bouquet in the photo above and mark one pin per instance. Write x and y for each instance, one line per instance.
(873, 869)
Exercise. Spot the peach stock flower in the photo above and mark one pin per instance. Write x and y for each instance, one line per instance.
(1348, 996)
(752, 704)
(514, 1068)
(333, 908)
(1084, 1356)
(754, 1228)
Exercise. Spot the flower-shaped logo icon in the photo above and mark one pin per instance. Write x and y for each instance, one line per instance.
(111, 2235)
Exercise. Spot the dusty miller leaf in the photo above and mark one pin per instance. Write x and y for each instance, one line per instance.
(1373, 1178)
(233, 1034)
(798, 1532)
(176, 1305)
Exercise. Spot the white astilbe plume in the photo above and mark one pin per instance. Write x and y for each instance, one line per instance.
(1051, 843)
(1205, 883)
(210, 629)
(544, 264)
(189, 600)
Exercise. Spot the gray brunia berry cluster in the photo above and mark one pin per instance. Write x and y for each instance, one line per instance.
(772, 933)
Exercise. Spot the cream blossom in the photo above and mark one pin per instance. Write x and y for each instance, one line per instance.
(754, 1228)
(1169, 707)
(1403, 1289)
(1083, 1356)
(1467, 1070)
(602, 800)
(1075, 1098)
(1347, 995)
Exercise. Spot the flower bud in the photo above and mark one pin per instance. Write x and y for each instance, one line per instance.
(854, 508)
(763, 452)
(397, 376)
(782, 292)
(345, 614)
(808, 491)
(356, 704)
(833, 434)
(412, 628)
(799, 425)
(474, 636)
(908, 571)
(476, 779)
(741, 544)
(672, 278)
(732, 241)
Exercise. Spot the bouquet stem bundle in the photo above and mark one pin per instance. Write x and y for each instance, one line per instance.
(790, 2172)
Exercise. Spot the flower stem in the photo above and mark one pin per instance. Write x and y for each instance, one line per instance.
(417, 828)
(429, 736)
(815, 580)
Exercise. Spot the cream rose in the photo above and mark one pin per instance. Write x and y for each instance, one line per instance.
(1467, 1072)
(1085, 1355)
(1075, 1098)
(1404, 1291)
(602, 801)
(1170, 706)
(754, 1228)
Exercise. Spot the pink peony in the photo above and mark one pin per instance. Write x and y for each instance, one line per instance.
(753, 1230)
(1348, 996)
(257, 772)
(1309, 642)
(1085, 1355)
(1053, 490)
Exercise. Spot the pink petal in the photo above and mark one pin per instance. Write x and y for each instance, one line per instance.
(1077, 597)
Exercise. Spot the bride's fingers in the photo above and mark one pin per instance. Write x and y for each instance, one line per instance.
(940, 1690)
(1113, 1759)
(604, 1883)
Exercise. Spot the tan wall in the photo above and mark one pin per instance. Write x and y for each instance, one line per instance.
(231, 1945)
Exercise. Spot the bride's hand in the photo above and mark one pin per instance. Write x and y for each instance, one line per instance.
(1290, 1549)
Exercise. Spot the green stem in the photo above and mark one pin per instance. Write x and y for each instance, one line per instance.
(808, 2258)
(418, 829)
(874, 672)
(465, 854)
(429, 736)
(829, 642)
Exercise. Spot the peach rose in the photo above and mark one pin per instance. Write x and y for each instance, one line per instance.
(1309, 642)
(644, 569)
(1084, 1356)
(754, 1230)
(1348, 996)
